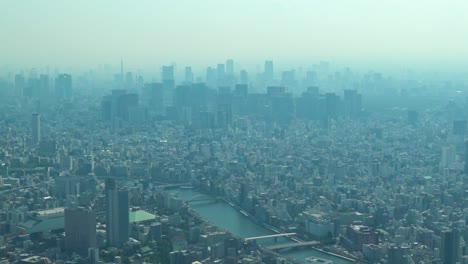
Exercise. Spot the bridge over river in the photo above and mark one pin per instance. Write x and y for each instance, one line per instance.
(227, 217)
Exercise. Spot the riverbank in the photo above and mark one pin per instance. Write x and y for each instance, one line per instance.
(231, 219)
(275, 230)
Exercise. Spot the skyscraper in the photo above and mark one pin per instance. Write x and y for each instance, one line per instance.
(188, 75)
(117, 214)
(36, 128)
(466, 158)
(63, 86)
(450, 249)
(395, 255)
(352, 103)
(230, 67)
(167, 73)
(80, 230)
(268, 74)
(19, 84)
(221, 74)
(168, 82)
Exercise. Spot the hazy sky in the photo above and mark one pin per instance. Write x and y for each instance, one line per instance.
(66, 32)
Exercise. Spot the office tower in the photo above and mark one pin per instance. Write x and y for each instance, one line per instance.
(129, 80)
(19, 84)
(331, 104)
(153, 97)
(230, 67)
(244, 77)
(221, 74)
(310, 78)
(241, 90)
(466, 158)
(63, 86)
(210, 77)
(268, 74)
(282, 108)
(167, 73)
(121, 74)
(188, 75)
(119, 105)
(395, 255)
(288, 79)
(93, 255)
(36, 128)
(117, 214)
(450, 248)
(448, 156)
(44, 87)
(80, 230)
(32, 87)
(168, 82)
(459, 127)
(352, 103)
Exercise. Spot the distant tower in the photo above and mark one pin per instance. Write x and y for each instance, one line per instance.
(466, 158)
(220, 73)
(117, 214)
(188, 75)
(167, 73)
(63, 86)
(230, 67)
(80, 230)
(36, 128)
(269, 73)
(121, 74)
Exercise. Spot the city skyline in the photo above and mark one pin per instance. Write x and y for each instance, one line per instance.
(234, 131)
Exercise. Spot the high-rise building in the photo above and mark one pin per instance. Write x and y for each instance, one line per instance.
(117, 214)
(221, 74)
(395, 255)
(44, 87)
(167, 73)
(466, 158)
(19, 84)
(36, 128)
(119, 105)
(230, 67)
(244, 77)
(450, 249)
(168, 82)
(80, 230)
(63, 86)
(269, 73)
(352, 103)
(188, 75)
(210, 77)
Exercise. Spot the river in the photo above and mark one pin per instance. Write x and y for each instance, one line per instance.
(226, 217)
